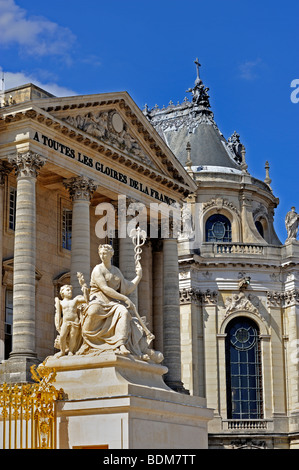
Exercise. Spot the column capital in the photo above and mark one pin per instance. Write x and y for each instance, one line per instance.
(26, 164)
(80, 188)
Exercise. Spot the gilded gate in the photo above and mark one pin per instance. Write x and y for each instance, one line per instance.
(28, 412)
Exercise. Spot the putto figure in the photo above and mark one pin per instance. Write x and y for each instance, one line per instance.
(67, 320)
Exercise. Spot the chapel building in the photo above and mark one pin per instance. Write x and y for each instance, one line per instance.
(221, 297)
(238, 285)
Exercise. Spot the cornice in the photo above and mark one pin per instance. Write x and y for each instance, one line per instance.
(222, 263)
(43, 117)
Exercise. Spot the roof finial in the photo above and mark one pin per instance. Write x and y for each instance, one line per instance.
(188, 161)
(197, 69)
(267, 180)
(199, 91)
(244, 165)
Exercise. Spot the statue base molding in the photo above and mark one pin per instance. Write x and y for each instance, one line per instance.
(119, 402)
(83, 377)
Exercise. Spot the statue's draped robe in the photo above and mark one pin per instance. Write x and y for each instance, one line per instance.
(100, 330)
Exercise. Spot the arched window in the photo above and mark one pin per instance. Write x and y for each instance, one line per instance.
(218, 229)
(243, 370)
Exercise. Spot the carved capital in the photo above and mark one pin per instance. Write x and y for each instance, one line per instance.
(194, 295)
(291, 297)
(26, 164)
(189, 295)
(80, 187)
(274, 299)
(209, 297)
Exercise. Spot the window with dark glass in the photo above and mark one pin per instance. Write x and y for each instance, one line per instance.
(260, 228)
(218, 229)
(243, 370)
(8, 323)
(12, 208)
(114, 242)
(67, 229)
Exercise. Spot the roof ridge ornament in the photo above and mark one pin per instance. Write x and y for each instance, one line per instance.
(267, 180)
(244, 165)
(197, 70)
(235, 146)
(199, 91)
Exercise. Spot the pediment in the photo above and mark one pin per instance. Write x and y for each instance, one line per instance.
(109, 126)
(114, 119)
(112, 125)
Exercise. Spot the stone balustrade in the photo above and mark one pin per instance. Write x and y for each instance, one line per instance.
(247, 424)
(243, 248)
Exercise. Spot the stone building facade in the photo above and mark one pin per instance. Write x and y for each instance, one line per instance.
(238, 285)
(64, 161)
(221, 299)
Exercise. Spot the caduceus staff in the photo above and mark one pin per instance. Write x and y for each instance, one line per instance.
(139, 238)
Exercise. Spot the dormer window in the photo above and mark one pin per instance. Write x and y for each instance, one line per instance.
(218, 229)
(260, 228)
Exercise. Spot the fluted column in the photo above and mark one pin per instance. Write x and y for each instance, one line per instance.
(171, 315)
(23, 337)
(80, 189)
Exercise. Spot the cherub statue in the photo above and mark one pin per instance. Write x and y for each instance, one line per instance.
(67, 320)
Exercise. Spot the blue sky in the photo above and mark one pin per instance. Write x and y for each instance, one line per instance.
(248, 50)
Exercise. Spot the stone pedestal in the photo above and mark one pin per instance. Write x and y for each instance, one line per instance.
(123, 403)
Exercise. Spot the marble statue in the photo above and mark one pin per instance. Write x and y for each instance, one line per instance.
(107, 319)
(292, 222)
(67, 321)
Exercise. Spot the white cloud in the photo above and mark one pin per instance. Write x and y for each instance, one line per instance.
(35, 35)
(12, 80)
(249, 70)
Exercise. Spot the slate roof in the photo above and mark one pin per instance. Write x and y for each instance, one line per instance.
(192, 122)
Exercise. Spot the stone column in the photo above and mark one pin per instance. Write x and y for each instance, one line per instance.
(171, 315)
(80, 189)
(127, 264)
(126, 246)
(145, 288)
(23, 353)
(157, 267)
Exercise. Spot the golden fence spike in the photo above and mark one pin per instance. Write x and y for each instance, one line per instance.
(35, 403)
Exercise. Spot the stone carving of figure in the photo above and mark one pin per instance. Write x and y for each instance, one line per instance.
(292, 222)
(242, 302)
(67, 321)
(110, 320)
(187, 229)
